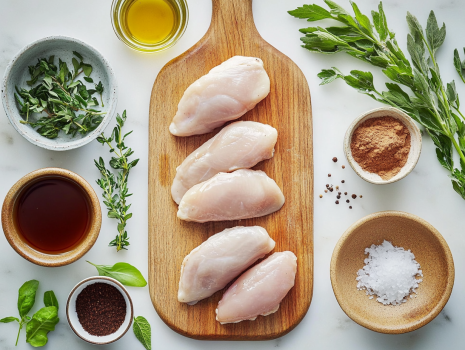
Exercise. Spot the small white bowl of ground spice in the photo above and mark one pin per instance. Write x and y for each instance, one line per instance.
(99, 310)
(383, 145)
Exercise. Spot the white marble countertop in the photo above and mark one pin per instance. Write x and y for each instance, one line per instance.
(426, 192)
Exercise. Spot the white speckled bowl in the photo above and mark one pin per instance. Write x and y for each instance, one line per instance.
(73, 319)
(17, 74)
(415, 144)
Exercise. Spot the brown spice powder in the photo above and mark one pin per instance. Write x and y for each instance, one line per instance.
(101, 309)
(381, 146)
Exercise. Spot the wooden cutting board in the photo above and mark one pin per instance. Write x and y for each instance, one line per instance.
(288, 109)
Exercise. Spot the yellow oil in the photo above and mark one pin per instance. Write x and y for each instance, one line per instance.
(151, 21)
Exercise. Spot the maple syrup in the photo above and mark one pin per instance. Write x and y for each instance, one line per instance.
(52, 215)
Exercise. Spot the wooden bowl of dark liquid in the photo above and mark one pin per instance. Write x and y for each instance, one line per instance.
(51, 217)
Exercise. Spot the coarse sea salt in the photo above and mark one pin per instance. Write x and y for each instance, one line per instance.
(391, 273)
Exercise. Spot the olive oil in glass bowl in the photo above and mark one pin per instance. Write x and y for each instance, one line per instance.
(149, 25)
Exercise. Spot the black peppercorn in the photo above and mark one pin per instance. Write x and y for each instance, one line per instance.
(347, 201)
(360, 196)
(329, 175)
(330, 189)
(334, 159)
(350, 207)
(337, 202)
(343, 181)
(345, 193)
(327, 185)
(338, 197)
(354, 196)
(343, 167)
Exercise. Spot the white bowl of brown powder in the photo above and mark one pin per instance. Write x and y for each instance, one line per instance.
(383, 145)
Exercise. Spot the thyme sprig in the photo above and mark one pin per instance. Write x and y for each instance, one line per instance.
(115, 189)
(65, 100)
(432, 104)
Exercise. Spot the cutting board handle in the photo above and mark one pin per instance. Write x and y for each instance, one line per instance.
(230, 18)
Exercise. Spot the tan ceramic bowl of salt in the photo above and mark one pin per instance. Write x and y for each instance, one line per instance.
(402, 230)
(415, 144)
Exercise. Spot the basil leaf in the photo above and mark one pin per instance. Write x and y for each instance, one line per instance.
(50, 299)
(142, 331)
(122, 272)
(9, 319)
(42, 322)
(27, 297)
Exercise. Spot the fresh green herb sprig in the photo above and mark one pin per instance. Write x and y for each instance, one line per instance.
(66, 101)
(42, 322)
(433, 105)
(116, 202)
(142, 331)
(123, 272)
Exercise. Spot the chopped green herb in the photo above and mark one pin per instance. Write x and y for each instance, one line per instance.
(66, 101)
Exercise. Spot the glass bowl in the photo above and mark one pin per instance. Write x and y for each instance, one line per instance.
(119, 9)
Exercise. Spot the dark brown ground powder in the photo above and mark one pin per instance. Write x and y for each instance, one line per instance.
(101, 309)
(381, 145)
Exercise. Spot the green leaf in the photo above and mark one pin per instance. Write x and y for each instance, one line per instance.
(380, 22)
(417, 52)
(89, 80)
(27, 297)
(458, 64)
(443, 150)
(122, 272)
(415, 27)
(327, 76)
(335, 8)
(362, 81)
(76, 66)
(310, 12)
(142, 331)
(87, 68)
(42, 322)
(78, 55)
(50, 299)
(9, 319)
(364, 21)
(435, 35)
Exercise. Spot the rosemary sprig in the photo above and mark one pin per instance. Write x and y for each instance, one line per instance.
(115, 189)
(61, 97)
(433, 104)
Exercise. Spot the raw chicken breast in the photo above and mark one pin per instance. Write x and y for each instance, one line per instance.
(258, 291)
(220, 259)
(238, 145)
(226, 93)
(239, 195)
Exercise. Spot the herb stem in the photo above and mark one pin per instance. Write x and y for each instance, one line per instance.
(19, 331)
